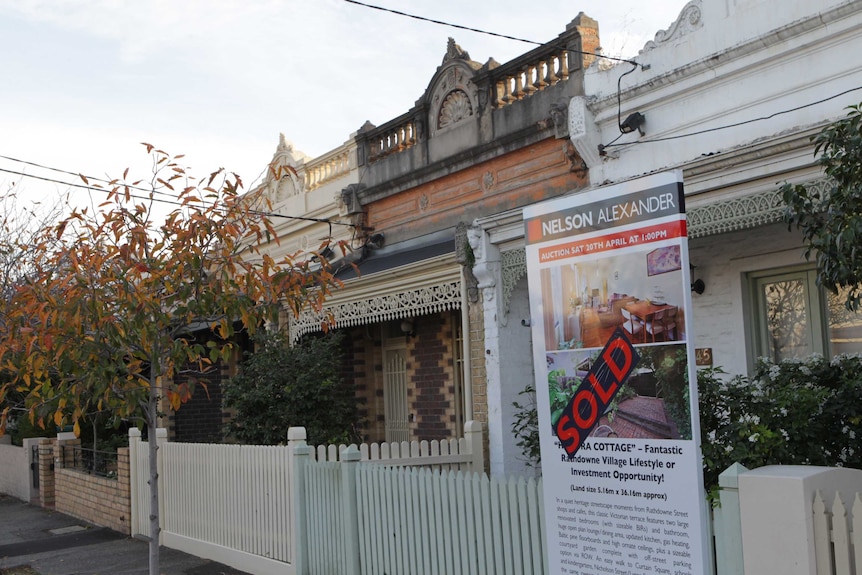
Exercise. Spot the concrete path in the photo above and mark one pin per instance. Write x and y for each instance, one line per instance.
(56, 544)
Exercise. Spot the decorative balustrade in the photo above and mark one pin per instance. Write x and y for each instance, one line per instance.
(518, 80)
(393, 137)
(328, 167)
(497, 86)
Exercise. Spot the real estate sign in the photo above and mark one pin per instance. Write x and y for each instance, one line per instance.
(610, 303)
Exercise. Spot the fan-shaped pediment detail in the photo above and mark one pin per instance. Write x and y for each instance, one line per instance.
(453, 96)
(456, 107)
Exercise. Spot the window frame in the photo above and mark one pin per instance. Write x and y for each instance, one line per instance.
(816, 302)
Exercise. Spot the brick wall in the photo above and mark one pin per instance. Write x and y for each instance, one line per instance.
(46, 472)
(430, 372)
(358, 368)
(430, 368)
(201, 419)
(478, 373)
(99, 500)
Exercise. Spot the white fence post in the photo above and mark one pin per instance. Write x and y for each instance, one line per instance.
(777, 515)
(473, 439)
(300, 454)
(134, 446)
(161, 439)
(31, 444)
(728, 528)
(349, 459)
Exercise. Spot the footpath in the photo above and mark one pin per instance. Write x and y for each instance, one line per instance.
(51, 543)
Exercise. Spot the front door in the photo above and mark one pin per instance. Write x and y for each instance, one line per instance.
(395, 391)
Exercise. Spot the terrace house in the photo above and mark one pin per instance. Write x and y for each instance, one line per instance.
(482, 139)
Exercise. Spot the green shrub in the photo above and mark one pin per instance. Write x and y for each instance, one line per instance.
(796, 412)
(525, 427)
(281, 386)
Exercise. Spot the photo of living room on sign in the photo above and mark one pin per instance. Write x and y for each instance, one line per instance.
(639, 291)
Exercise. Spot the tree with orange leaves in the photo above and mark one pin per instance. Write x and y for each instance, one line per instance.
(109, 311)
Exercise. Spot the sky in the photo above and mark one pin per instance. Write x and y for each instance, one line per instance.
(86, 81)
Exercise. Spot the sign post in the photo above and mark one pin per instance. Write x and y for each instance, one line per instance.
(616, 389)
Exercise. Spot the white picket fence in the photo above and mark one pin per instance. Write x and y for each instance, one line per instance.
(838, 535)
(450, 523)
(462, 454)
(376, 519)
(229, 503)
(241, 505)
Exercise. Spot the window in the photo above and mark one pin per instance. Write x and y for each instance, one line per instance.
(793, 317)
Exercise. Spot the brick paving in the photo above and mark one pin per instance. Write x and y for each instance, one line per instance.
(649, 409)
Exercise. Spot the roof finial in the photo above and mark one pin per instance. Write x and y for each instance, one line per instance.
(454, 51)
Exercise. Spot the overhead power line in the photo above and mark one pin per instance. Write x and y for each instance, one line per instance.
(139, 197)
(78, 175)
(733, 125)
(75, 185)
(479, 31)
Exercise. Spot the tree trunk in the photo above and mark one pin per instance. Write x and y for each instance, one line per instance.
(152, 424)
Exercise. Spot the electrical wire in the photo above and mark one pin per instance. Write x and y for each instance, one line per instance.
(619, 99)
(486, 32)
(81, 186)
(734, 125)
(78, 175)
(146, 198)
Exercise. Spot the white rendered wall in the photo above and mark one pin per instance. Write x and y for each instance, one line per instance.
(743, 62)
(516, 372)
(14, 469)
(722, 262)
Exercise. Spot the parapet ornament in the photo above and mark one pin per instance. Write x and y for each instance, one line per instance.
(689, 20)
(454, 97)
(454, 51)
(281, 180)
(559, 112)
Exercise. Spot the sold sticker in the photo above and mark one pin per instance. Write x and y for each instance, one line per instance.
(596, 391)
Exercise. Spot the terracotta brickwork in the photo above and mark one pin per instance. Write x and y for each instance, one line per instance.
(477, 362)
(46, 473)
(476, 315)
(99, 500)
(431, 388)
(362, 368)
(531, 174)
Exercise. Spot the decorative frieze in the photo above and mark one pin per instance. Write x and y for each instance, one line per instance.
(743, 212)
(389, 306)
(514, 267)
